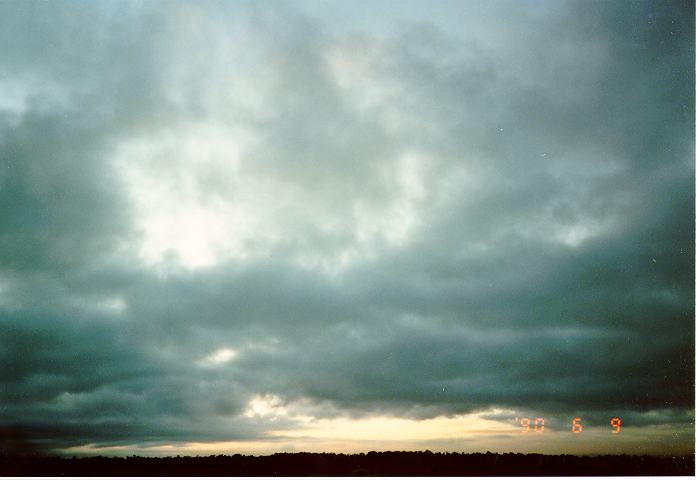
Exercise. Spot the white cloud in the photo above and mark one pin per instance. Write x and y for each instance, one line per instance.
(265, 406)
(218, 357)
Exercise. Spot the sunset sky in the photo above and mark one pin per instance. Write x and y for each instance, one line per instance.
(313, 225)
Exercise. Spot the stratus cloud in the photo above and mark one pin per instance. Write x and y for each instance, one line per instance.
(418, 221)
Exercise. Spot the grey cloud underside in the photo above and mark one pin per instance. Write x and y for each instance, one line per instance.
(585, 117)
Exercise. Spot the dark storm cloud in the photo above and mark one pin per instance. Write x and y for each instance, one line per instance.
(550, 266)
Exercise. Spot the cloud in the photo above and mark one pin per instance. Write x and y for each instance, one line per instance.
(215, 209)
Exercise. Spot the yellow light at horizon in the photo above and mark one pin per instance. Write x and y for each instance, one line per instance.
(398, 429)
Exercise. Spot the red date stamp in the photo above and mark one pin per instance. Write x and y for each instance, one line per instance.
(538, 424)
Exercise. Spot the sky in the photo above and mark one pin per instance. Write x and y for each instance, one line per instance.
(315, 225)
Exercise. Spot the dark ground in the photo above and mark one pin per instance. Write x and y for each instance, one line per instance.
(373, 463)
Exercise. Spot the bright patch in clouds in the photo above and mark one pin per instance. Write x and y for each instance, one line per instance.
(265, 406)
(218, 357)
(181, 209)
(199, 201)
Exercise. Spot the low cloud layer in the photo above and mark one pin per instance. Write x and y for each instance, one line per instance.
(410, 213)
